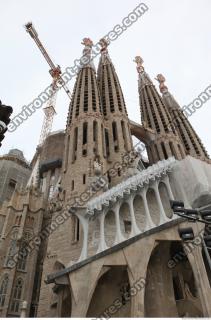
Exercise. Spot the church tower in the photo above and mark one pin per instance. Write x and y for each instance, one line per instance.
(155, 115)
(191, 142)
(84, 131)
(118, 141)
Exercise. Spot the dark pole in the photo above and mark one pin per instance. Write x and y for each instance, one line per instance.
(206, 253)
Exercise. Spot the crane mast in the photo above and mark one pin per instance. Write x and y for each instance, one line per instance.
(55, 71)
(49, 109)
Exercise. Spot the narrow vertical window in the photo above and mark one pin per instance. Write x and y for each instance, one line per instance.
(85, 137)
(22, 257)
(157, 152)
(84, 179)
(95, 136)
(16, 295)
(85, 129)
(75, 144)
(180, 150)
(115, 137)
(124, 135)
(172, 148)
(103, 141)
(67, 152)
(3, 289)
(78, 229)
(164, 150)
(95, 131)
(86, 92)
(107, 142)
(72, 185)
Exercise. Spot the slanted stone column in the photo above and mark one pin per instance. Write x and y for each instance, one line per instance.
(168, 186)
(149, 223)
(119, 237)
(102, 244)
(201, 279)
(170, 193)
(85, 225)
(163, 217)
(134, 230)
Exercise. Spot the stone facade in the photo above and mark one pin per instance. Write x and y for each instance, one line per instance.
(190, 140)
(95, 235)
(14, 172)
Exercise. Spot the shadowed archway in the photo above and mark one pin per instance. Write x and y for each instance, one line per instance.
(108, 299)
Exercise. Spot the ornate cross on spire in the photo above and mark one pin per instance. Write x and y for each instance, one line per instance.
(104, 44)
(87, 51)
(161, 79)
(139, 61)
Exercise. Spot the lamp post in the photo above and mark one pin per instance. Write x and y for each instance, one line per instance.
(193, 215)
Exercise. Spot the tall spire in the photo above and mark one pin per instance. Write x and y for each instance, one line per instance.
(84, 139)
(191, 142)
(117, 131)
(155, 115)
(112, 97)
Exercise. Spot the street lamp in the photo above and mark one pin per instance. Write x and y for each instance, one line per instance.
(186, 234)
(193, 215)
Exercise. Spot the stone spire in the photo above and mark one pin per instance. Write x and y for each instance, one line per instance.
(155, 115)
(191, 142)
(117, 131)
(84, 139)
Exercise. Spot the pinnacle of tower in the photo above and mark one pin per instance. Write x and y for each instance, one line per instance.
(143, 77)
(168, 98)
(154, 113)
(109, 85)
(189, 138)
(105, 58)
(85, 96)
(161, 79)
(87, 53)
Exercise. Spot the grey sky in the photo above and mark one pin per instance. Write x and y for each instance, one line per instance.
(173, 38)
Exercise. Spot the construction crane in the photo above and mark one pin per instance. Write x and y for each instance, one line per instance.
(55, 72)
(49, 109)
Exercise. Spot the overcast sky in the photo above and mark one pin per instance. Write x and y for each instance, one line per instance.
(173, 38)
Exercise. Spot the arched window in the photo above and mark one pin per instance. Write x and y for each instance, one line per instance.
(16, 295)
(10, 261)
(3, 289)
(32, 221)
(115, 136)
(18, 220)
(29, 221)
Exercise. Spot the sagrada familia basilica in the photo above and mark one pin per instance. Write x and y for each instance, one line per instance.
(93, 233)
